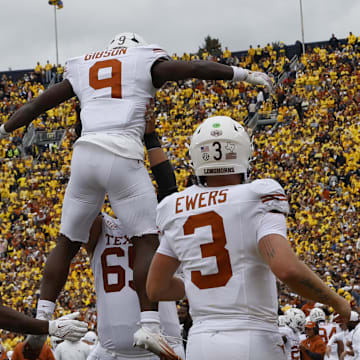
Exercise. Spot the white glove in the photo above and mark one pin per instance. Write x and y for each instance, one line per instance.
(3, 133)
(259, 78)
(68, 328)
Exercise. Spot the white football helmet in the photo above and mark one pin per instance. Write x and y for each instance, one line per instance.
(281, 320)
(126, 40)
(91, 337)
(316, 315)
(220, 146)
(295, 318)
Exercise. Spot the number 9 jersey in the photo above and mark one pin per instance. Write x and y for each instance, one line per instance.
(214, 233)
(113, 87)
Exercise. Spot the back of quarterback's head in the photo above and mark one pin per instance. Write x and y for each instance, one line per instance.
(220, 146)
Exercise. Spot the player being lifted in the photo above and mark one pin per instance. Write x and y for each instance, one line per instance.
(111, 258)
(113, 86)
(229, 236)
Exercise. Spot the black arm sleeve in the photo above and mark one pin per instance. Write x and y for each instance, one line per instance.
(152, 141)
(78, 125)
(314, 356)
(165, 178)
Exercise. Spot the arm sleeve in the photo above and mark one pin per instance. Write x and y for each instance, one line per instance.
(163, 172)
(271, 223)
(165, 178)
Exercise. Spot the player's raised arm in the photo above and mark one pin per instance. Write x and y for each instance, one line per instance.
(164, 70)
(159, 163)
(51, 97)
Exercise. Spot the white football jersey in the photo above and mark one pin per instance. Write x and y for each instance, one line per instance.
(117, 302)
(292, 343)
(327, 331)
(339, 336)
(69, 350)
(113, 87)
(214, 233)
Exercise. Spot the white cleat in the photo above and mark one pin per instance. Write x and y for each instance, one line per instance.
(155, 343)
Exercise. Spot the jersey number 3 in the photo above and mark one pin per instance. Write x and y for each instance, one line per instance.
(215, 248)
(114, 82)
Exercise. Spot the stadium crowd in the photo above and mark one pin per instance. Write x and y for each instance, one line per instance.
(313, 150)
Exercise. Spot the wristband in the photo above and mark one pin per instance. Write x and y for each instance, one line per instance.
(3, 131)
(149, 317)
(240, 74)
(45, 309)
(152, 141)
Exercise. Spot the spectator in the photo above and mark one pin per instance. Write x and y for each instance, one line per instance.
(313, 347)
(334, 42)
(351, 39)
(48, 71)
(22, 351)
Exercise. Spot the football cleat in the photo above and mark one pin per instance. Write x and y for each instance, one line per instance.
(155, 343)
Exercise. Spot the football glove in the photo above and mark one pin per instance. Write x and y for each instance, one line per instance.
(67, 328)
(260, 78)
(3, 133)
(156, 343)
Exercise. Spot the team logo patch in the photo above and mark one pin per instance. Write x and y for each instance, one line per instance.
(231, 156)
(216, 133)
(206, 156)
(230, 147)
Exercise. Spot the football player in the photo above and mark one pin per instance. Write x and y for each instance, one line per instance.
(111, 256)
(326, 329)
(113, 86)
(294, 325)
(229, 236)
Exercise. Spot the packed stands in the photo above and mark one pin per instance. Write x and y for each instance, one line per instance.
(312, 149)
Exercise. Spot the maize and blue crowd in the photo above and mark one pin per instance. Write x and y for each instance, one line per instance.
(313, 150)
